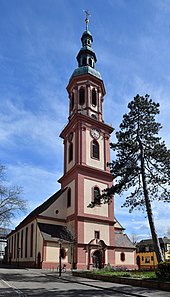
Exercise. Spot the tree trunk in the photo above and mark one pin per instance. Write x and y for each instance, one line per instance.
(155, 239)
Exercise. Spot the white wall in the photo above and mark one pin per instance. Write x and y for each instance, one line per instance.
(101, 210)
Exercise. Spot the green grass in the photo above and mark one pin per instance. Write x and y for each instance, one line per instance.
(133, 274)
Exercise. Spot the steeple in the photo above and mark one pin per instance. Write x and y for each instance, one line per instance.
(86, 88)
(86, 57)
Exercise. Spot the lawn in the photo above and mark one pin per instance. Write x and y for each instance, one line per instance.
(132, 274)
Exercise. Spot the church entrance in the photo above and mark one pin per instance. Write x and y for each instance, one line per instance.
(97, 259)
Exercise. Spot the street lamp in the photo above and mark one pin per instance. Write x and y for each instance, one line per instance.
(60, 242)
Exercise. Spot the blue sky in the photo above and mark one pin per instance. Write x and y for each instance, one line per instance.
(39, 43)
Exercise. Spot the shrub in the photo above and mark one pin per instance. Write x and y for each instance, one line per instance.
(163, 271)
(107, 268)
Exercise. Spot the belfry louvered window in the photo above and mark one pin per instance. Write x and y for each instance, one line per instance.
(81, 96)
(94, 101)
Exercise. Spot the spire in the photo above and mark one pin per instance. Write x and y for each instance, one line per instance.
(86, 57)
(87, 18)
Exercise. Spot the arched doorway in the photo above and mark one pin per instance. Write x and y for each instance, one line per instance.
(138, 261)
(97, 259)
(39, 260)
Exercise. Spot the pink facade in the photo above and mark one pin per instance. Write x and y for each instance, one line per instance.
(85, 130)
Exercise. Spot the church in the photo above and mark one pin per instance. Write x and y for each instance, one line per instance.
(63, 228)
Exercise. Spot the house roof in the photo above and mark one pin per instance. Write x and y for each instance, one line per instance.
(42, 207)
(55, 233)
(166, 240)
(122, 240)
(147, 242)
(117, 225)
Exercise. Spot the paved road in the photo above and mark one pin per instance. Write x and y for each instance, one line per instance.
(30, 282)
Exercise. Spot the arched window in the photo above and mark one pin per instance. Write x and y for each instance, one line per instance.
(96, 195)
(22, 243)
(84, 61)
(26, 242)
(14, 246)
(90, 61)
(95, 149)
(122, 256)
(81, 96)
(31, 240)
(70, 157)
(94, 97)
(72, 101)
(69, 198)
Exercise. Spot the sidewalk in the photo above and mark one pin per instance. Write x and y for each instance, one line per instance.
(114, 287)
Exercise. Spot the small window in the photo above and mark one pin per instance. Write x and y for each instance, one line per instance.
(96, 195)
(81, 96)
(94, 97)
(95, 149)
(69, 198)
(70, 152)
(122, 256)
(93, 116)
(147, 259)
(96, 234)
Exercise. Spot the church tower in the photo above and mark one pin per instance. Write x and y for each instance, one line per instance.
(86, 139)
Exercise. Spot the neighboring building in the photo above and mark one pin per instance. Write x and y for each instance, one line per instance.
(3, 242)
(88, 236)
(146, 256)
(124, 248)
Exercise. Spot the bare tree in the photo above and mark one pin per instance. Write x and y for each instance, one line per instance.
(168, 232)
(134, 238)
(11, 201)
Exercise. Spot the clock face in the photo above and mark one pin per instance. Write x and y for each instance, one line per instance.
(95, 133)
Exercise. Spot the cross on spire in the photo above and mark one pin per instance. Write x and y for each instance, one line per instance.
(87, 18)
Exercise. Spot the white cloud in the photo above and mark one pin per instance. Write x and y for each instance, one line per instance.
(38, 183)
